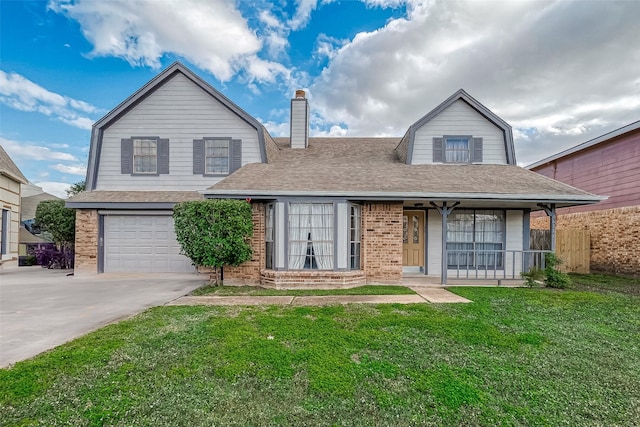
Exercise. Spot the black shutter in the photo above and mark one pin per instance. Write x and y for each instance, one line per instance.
(235, 160)
(163, 156)
(438, 150)
(477, 150)
(198, 156)
(126, 156)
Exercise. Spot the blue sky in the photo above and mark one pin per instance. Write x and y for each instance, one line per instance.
(560, 72)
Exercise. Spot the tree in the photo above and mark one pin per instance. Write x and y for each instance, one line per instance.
(214, 233)
(60, 222)
(76, 188)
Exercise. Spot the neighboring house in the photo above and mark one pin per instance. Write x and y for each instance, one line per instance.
(608, 165)
(446, 199)
(29, 237)
(32, 195)
(10, 180)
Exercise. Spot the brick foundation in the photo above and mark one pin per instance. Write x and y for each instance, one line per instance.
(86, 247)
(382, 242)
(311, 279)
(614, 234)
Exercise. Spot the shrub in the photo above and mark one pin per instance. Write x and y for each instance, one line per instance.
(533, 277)
(555, 278)
(214, 233)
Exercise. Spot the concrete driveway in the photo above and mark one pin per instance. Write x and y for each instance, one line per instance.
(41, 309)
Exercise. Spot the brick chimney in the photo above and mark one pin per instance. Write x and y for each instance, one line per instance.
(299, 120)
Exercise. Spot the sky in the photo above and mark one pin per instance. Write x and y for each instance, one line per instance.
(559, 72)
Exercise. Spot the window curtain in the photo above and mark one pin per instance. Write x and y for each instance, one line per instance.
(299, 229)
(457, 150)
(469, 231)
(322, 234)
(311, 236)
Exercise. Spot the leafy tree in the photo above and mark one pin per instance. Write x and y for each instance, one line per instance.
(214, 233)
(60, 222)
(76, 188)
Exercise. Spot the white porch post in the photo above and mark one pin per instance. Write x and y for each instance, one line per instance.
(444, 211)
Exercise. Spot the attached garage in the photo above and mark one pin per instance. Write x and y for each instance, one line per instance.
(142, 244)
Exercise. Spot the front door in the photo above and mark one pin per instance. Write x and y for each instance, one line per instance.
(413, 241)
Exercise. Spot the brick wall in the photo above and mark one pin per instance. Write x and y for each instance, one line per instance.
(382, 242)
(86, 248)
(614, 233)
(249, 272)
(312, 279)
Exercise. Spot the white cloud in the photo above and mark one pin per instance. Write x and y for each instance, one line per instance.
(560, 72)
(211, 34)
(70, 169)
(22, 94)
(34, 152)
(58, 189)
(303, 13)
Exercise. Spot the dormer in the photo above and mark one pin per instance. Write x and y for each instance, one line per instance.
(458, 131)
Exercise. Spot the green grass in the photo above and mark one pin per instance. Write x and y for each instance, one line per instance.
(258, 291)
(606, 283)
(512, 357)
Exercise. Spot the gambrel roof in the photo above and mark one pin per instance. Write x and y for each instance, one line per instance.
(404, 150)
(112, 116)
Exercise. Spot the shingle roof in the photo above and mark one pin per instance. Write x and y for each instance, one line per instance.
(28, 205)
(133, 197)
(8, 168)
(363, 166)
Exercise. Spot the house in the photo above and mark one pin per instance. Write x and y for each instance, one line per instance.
(10, 180)
(609, 165)
(445, 200)
(30, 238)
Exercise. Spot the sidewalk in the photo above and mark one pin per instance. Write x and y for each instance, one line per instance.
(423, 295)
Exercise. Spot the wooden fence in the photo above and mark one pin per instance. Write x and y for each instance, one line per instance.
(572, 247)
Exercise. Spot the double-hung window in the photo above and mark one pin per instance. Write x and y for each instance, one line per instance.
(311, 236)
(475, 238)
(216, 153)
(145, 156)
(268, 235)
(355, 220)
(456, 149)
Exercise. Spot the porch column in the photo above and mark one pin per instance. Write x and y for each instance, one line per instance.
(550, 210)
(444, 211)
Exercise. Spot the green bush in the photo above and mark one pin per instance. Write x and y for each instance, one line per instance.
(555, 278)
(533, 277)
(214, 233)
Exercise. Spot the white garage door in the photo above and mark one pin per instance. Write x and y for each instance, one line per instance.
(144, 243)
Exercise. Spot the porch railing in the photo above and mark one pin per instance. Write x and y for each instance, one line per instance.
(492, 264)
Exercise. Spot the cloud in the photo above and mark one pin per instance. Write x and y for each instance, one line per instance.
(22, 94)
(34, 152)
(211, 34)
(560, 72)
(58, 189)
(70, 169)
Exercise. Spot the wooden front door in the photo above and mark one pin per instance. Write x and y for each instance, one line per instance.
(413, 239)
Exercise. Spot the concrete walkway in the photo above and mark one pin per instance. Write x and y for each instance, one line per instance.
(423, 295)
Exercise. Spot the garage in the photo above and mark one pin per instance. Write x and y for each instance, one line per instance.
(142, 244)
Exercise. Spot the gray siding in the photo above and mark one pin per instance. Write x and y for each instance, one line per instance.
(299, 120)
(181, 112)
(460, 119)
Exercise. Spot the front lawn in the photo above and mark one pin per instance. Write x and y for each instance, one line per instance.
(512, 357)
